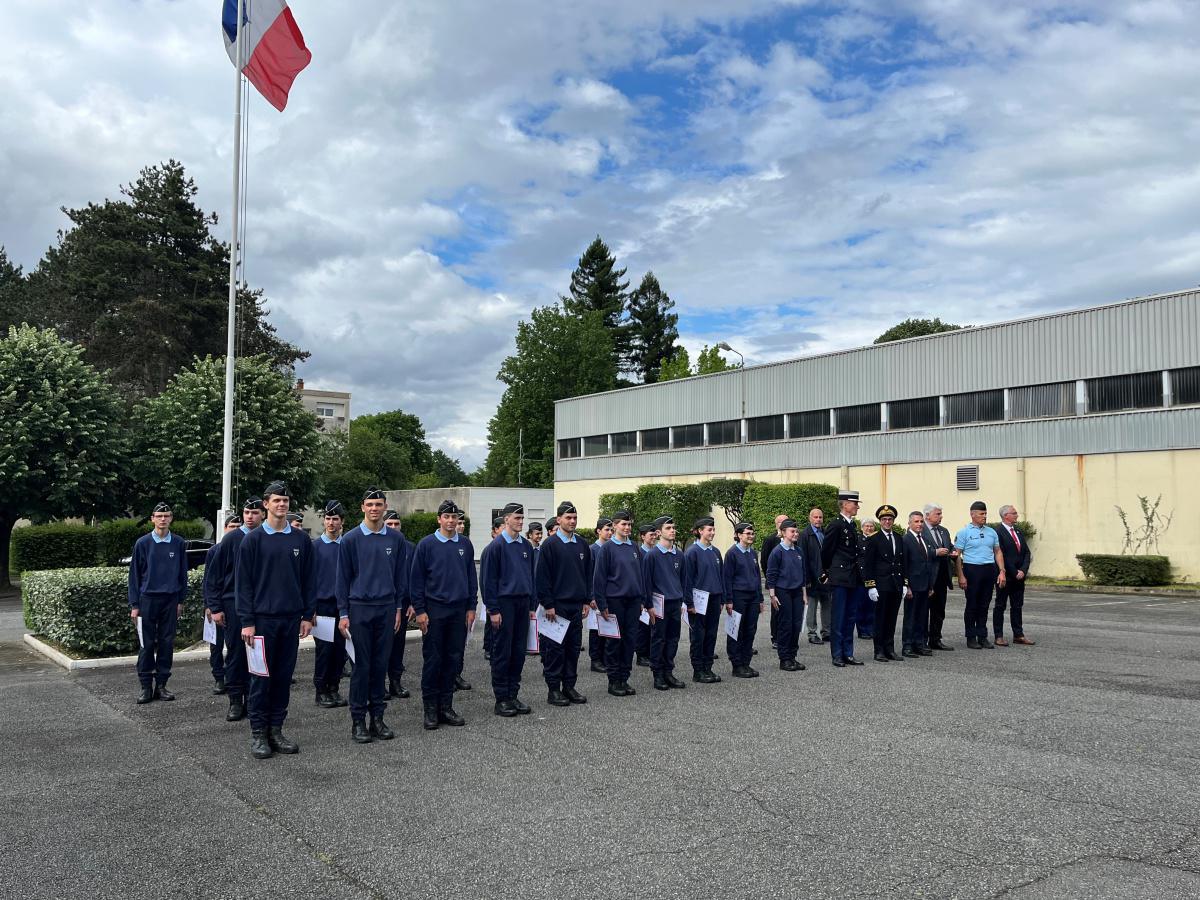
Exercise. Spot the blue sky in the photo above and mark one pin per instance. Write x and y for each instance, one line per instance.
(799, 176)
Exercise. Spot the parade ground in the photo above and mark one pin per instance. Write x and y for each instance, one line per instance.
(1069, 769)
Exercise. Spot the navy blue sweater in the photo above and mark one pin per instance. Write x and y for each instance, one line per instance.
(741, 573)
(506, 570)
(442, 580)
(209, 586)
(785, 568)
(617, 573)
(222, 568)
(564, 574)
(665, 573)
(326, 562)
(158, 569)
(372, 569)
(704, 571)
(275, 575)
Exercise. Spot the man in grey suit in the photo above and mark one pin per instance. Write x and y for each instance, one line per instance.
(941, 546)
(819, 595)
(1017, 558)
(920, 566)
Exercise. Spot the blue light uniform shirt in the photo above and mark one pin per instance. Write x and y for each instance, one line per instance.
(509, 572)
(740, 573)
(443, 580)
(275, 575)
(704, 571)
(564, 572)
(617, 572)
(978, 545)
(326, 552)
(664, 573)
(372, 569)
(158, 568)
(785, 568)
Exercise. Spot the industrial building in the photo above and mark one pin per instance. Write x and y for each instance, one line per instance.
(1067, 416)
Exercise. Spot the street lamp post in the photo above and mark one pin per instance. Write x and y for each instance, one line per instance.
(741, 378)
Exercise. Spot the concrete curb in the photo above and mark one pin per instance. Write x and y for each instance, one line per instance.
(1147, 592)
(115, 662)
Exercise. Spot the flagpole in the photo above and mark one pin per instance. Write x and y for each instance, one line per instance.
(231, 322)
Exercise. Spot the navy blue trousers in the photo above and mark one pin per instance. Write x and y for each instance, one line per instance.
(269, 695)
(664, 638)
(842, 618)
(863, 613)
(396, 657)
(560, 662)
(216, 654)
(371, 628)
(237, 679)
(790, 621)
(741, 650)
(916, 620)
(329, 657)
(508, 650)
(643, 639)
(980, 579)
(596, 649)
(1013, 593)
(159, 617)
(442, 656)
(702, 634)
(618, 654)
(887, 608)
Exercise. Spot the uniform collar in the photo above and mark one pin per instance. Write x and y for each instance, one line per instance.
(510, 540)
(559, 534)
(158, 540)
(615, 540)
(243, 529)
(443, 539)
(704, 546)
(286, 529)
(749, 549)
(325, 538)
(662, 549)
(362, 526)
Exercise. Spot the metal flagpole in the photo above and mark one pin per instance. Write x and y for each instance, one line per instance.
(227, 449)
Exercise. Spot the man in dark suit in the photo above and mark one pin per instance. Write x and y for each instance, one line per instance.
(941, 546)
(1017, 558)
(883, 575)
(841, 571)
(770, 542)
(919, 566)
(811, 539)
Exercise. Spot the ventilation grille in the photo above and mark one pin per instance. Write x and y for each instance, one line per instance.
(968, 478)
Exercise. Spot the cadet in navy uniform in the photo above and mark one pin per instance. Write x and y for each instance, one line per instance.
(564, 584)
(443, 586)
(391, 519)
(509, 596)
(785, 583)
(841, 568)
(886, 582)
(743, 594)
(158, 586)
(330, 656)
(221, 601)
(372, 591)
(274, 602)
(618, 591)
(489, 634)
(979, 567)
(211, 587)
(460, 683)
(664, 573)
(704, 563)
(649, 540)
(597, 650)
(919, 567)
(533, 534)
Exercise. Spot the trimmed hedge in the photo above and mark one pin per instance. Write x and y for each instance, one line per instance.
(86, 610)
(57, 546)
(1125, 571)
(763, 502)
(115, 538)
(685, 503)
(418, 525)
(1026, 528)
(587, 534)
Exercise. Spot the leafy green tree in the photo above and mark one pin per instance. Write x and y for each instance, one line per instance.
(727, 493)
(406, 432)
(558, 355)
(356, 460)
(14, 308)
(596, 286)
(678, 365)
(179, 436)
(447, 471)
(653, 329)
(915, 328)
(710, 361)
(62, 434)
(142, 284)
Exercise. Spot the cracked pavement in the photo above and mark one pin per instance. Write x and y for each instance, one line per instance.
(1065, 770)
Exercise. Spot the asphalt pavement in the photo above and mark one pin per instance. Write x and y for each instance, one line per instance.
(1066, 770)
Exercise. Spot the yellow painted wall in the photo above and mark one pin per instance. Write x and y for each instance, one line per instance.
(1071, 499)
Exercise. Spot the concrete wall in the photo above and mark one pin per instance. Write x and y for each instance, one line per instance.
(1071, 500)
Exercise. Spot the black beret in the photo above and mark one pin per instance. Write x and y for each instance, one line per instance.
(334, 508)
(533, 526)
(447, 506)
(602, 521)
(391, 516)
(742, 526)
(512, 509)
(645, 528)
(295, 517)
(622, 515)
(663, 520)
(498, 522)
(566, 507)
(703, 521)
(162, 507)
(373, 493)
(277, 489)
(886, 510)
(788, 523)
(980, 505)
(551, 523)
(252, 503)
(233, 520)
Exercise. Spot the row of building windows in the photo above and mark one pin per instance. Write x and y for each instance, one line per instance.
(1143, 390)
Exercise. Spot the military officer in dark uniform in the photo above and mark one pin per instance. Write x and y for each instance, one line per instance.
(839, 560)
(883, 575)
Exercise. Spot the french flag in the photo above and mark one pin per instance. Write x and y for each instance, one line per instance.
(273, 51)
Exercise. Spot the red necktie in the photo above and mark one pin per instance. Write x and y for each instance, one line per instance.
(1016, 539)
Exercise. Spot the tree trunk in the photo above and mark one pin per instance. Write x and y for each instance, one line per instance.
(6, 528)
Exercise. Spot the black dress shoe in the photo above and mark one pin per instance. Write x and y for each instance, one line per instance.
(219, 686)
(909, 653)
(557, 698)
(674, 682)
(573, 695)
(851, 661)
(973, 644)
(505, 708)
(713, 677)
(924, 651)
(940, 645)
(146, 696)
(643, 661)
(629, 692)
(614, 688)
(881, 657)
(814, 639)
(359, 732)
(521, 707)
(839, 662)
(700, 677)
(754, 673)
(338, 699)
(660, 683)
(983, 642)
(891, 655)
(280, 742)
(430, 722)
(598, 667)
(742, 672)
(161, 693)
(260, 747)
(396, 689)
(237, 709)
(447, 715)
(324, 700)
(789, 665)
(461, 684)
(380, 729)
(824, 639)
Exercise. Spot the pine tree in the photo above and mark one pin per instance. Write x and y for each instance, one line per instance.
(653, 329)
(596, 286)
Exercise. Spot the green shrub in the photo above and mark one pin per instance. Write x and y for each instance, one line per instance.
(610, 503)
(86, 610)
(1128, 571)
(418, 525)
(57, 546)
(188, 529)
(1026, 528)
(586, 534)
(763, 502)
(115, 539)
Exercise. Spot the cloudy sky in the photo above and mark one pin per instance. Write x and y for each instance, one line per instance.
(799, 176)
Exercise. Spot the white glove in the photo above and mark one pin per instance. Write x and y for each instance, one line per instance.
(874, 595)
